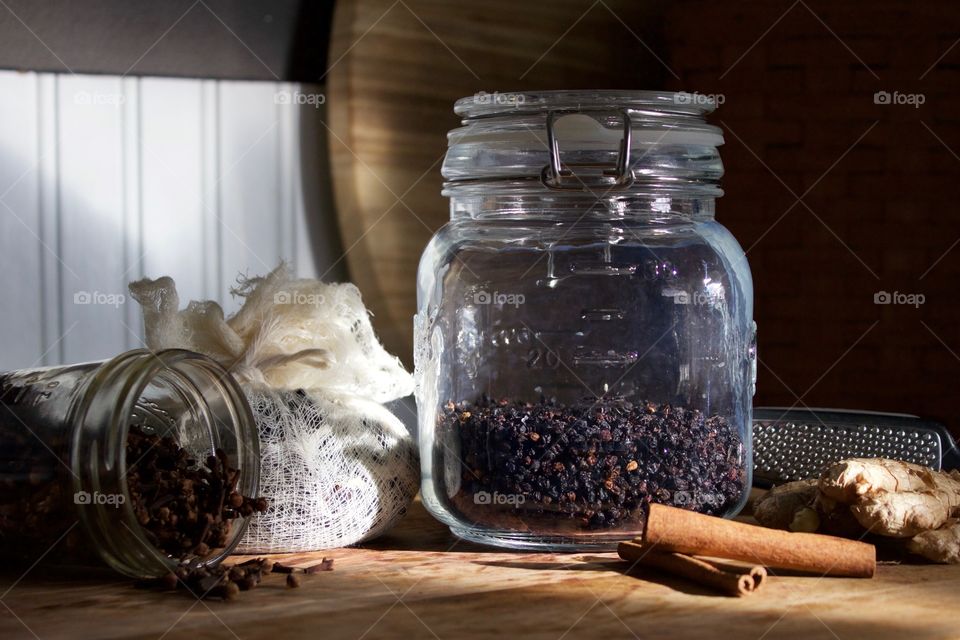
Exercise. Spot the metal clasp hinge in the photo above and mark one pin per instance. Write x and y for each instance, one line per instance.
(553, 175)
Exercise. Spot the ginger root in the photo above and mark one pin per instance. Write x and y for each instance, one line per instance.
(903, 514)
(877, 496)
(799, 506)
(780, 506)
(940, 545)
(892, 498)
(850, 479)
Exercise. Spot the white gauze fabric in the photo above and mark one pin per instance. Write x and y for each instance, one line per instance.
(337, 467)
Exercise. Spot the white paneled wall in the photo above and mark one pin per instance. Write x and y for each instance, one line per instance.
(104, 180)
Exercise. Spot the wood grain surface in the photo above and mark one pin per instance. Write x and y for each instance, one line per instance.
(420, 582)
(396, 69)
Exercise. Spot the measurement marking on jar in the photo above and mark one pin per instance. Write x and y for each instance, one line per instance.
(603, 269)
(604, 315)
(609, 358)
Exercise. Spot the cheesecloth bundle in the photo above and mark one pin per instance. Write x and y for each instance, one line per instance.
(337, 467)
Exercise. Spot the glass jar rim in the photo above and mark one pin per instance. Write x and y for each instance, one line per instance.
(676, 103)
(98, 450)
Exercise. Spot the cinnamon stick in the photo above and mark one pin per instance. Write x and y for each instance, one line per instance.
(682, 531)
(759, 575)
(694, 569)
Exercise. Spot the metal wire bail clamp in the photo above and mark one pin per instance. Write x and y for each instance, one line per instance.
(552, 176)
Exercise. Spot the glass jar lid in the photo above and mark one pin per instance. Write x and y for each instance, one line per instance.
(584, 141)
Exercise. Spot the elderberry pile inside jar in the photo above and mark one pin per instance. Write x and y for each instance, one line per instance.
(584, 335)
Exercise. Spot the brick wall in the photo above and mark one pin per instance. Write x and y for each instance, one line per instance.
(878, 215)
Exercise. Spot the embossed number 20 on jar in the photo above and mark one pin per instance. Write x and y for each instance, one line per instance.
(584, 340)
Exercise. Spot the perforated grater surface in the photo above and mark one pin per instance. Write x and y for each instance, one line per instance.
(792, 444)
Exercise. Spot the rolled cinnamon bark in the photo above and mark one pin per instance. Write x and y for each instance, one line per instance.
(682, 531)
(694, 569)
(759, 575)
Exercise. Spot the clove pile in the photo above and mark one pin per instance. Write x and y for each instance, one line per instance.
(186, 509)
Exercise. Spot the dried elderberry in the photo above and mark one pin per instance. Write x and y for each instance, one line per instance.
(595, 462)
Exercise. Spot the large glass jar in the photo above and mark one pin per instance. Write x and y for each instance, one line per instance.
(64, 468)
(584, 336)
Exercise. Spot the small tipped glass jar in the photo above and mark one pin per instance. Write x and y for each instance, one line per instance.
(584, 336)
(63, 444)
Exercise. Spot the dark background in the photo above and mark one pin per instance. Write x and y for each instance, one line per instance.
(876, 185)
(834, 197)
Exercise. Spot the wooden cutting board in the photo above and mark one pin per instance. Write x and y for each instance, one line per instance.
(396, 70)
(420, 582)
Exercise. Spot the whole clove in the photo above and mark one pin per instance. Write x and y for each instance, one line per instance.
(264, 564)
(282, 568)
(324, 565)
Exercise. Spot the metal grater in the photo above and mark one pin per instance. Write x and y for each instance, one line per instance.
(792, 444)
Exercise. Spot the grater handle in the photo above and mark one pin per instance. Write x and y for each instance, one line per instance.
(951, 453)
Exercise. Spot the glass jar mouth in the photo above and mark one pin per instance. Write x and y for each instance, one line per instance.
(218, 417)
